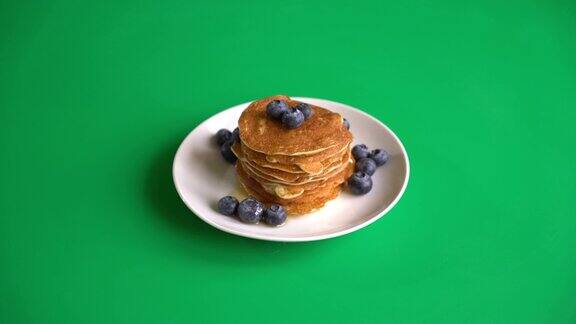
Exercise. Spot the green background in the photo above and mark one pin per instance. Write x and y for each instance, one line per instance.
(95, 97)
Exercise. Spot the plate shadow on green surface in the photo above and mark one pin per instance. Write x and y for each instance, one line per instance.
(198, 239)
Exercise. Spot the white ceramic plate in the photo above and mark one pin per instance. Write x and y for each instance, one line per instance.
(202, 177)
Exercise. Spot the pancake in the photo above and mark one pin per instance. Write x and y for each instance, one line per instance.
(302, 205)
(300, 180)
(295, 209)
(285, 176)
(254, 185)
(323, 130)
(312, 164)
(290, 191)
(292, 177)
(300, 169)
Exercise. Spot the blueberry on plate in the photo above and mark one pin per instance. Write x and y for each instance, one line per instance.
(276, 108)
(250, 210)
(360, 183)
(227, 205)
(305, 108)
(236, 135)
(226, 151)
(360, 151)
(223, 136)
(275, 215)
(379, 156)
(346, 123)
(366, 165)
(293, 119)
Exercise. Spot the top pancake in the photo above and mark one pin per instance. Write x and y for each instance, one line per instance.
(323, 130)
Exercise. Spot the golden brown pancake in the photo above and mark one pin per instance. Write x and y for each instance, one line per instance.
(299, 180)
(300, 169)
(292, 191)
(313, 164)
(323, 130)
(302, 205)
(294, 209)
(273, 174)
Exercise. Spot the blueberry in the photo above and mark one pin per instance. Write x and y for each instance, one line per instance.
(276, 108)
(366, 165)
(306, 109)
(227, 205)
(223, 136)
(236, 135)
(360, 151)
(275, 215)
(293, 119)
(250, 210)
(226, 151)
(360, 183)
(346, 123)
(379, 156)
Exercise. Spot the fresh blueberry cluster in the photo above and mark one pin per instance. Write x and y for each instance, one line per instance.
(360, 183)
(225, 139)
(291, 117)
(251, 211)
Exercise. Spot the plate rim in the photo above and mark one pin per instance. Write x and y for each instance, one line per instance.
(372, 219)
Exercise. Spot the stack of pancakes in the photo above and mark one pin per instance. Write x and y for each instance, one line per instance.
(300, 169)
